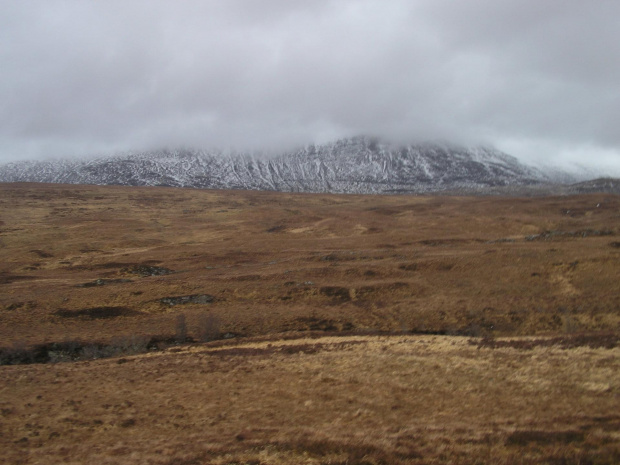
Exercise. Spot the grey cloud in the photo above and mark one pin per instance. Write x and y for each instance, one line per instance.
(91, 77)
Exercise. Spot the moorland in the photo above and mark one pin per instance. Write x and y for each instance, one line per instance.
(179, 326)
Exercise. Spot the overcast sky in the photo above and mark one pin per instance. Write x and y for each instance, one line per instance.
(539, 79)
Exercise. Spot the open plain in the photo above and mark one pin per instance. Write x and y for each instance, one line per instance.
(189, 326)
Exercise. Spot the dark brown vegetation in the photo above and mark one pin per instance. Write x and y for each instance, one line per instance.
(594, 341)
(217, 306)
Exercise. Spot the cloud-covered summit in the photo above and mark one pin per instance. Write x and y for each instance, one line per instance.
(536, 79)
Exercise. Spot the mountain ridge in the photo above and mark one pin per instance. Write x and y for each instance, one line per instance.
(359, 165)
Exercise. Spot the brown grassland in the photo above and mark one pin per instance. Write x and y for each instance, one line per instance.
(182, 327)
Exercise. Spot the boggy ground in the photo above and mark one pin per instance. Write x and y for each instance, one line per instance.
(106, 264)
(94, 262)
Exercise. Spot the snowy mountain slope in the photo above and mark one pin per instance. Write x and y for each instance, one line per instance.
(357, 165)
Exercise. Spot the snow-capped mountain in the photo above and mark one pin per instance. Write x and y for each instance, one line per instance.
(357, 165)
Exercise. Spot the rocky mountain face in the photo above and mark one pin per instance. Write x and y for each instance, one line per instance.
(357, 165)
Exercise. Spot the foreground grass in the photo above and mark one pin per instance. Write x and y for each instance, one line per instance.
(355, 399)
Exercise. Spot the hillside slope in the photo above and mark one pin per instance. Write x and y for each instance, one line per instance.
(358, 165)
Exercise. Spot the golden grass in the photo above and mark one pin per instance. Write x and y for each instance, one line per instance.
(356, 399)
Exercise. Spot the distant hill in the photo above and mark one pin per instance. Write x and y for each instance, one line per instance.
(357, 165)
(607, 185)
